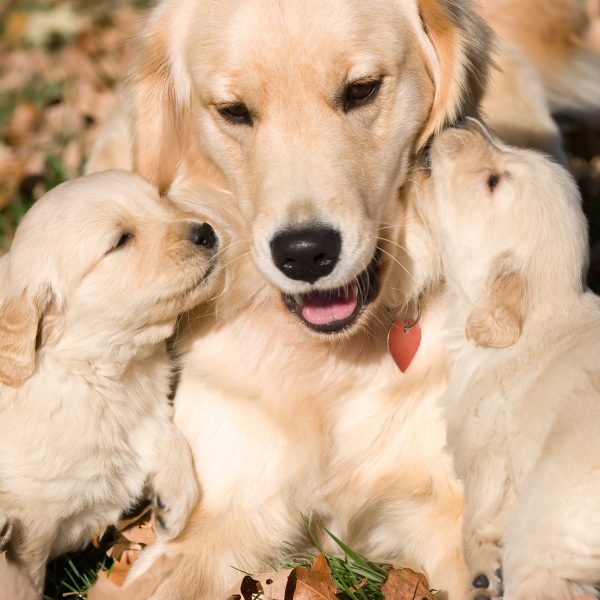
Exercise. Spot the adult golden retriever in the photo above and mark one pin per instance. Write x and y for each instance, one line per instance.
(523, 400)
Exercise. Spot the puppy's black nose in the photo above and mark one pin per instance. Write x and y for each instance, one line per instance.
(306, 254)
(202, 234)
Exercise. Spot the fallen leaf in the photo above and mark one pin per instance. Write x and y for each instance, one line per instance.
(250, 588)
(23, 122)
(316, 584)
(15, 24)
(61, 19)
(404, 584)
(133, 534)
(273, 586)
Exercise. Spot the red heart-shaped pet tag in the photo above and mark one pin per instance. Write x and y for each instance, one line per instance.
(404, 340)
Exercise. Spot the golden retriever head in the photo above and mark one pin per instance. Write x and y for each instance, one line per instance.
(97, 264)
(310, 110)
(510, 229)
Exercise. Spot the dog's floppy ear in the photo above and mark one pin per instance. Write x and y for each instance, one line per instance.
(457, 47)
(497, 318)
(159, 106)
(20, 313)
(19, 318)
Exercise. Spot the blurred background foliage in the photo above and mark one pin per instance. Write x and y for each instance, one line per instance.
(60, 62)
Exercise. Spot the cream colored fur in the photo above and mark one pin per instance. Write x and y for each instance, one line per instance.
(85, 423)
(284, 424)
(303, 158)
(523, 401)
(543, 55)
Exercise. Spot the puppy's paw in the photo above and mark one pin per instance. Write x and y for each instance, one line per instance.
(172, 507)
(486, 568)
(6, 527)
(487, 586)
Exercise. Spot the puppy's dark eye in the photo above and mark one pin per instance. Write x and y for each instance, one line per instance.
(360, 93)
(493, 181)
(236, 113)
(123, 240)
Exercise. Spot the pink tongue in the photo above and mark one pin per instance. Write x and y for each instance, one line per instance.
(324, 308)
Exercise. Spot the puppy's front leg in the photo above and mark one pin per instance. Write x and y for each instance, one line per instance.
(173, 484)
(30, 546)
(488, 499)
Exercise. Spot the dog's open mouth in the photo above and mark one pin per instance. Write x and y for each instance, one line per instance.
(331, 311)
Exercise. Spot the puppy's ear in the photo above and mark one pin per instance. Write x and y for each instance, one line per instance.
(497, 318)
(19, 318)
(457, 46)
(159, 106)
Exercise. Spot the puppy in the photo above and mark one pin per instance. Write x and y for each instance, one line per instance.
(99, 270)
(523, 401)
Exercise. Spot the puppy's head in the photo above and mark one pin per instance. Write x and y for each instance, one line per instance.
(99, 262)
(509, 225)
(311, 112)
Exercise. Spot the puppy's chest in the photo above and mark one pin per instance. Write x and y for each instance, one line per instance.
(93, 445)
(476, 406)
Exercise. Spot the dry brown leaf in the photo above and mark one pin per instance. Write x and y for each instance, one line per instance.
(124, 556)
(141, 589)
(405, 584)
(15, 24)
(273, 586)
(134, 534)
(316, 584)
(23, 122)
(141, 533)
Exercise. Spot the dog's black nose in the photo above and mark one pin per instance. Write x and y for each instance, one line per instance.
(306, 254)
(202, 234)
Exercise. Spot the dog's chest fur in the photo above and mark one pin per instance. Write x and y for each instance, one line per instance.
(78, 450)
(340, 425)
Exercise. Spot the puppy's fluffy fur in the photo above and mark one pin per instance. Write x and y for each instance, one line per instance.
(98, 272)
(523, 402)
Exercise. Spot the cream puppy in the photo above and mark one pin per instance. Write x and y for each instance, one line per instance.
(523, 402)
(99, 270)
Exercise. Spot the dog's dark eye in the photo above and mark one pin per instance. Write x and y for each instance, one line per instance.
(360, 93)
(123, 240)
(236, 113)
(493, 181)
